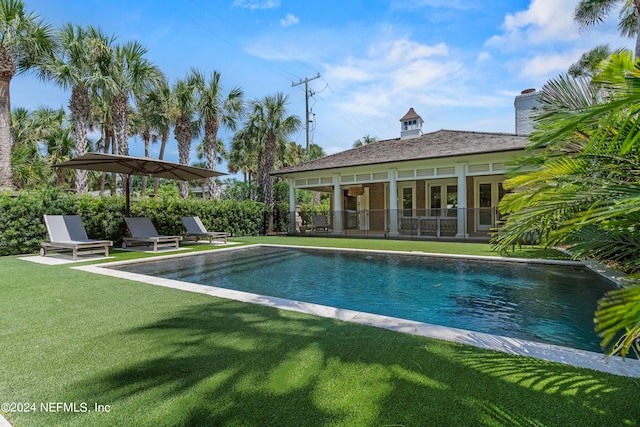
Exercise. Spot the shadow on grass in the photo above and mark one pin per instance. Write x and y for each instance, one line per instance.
(227, 363)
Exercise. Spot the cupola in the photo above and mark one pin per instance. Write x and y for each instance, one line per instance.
(411, 125)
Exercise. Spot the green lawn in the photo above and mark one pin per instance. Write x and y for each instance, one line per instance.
(155, 356)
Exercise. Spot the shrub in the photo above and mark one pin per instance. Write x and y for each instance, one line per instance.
(308, 210)
(22, 228)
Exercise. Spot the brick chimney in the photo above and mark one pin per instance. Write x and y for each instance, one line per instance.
(525, 103)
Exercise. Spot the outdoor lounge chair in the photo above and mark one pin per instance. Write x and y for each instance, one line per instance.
(66, 232)
(142, 231)
(196, 229)
(320, 223)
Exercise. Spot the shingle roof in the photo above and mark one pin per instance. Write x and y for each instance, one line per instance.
(442, 143)
(411, 114)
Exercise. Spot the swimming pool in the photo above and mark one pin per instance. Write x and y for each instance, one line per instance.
(539, 302)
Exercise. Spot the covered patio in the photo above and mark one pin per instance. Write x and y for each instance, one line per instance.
(440, 185)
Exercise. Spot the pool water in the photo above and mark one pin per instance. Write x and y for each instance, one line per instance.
(539, 302)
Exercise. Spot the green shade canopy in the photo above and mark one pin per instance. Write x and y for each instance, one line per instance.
(129, 165)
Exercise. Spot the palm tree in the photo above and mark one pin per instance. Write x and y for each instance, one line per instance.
(590, 12)
(24, 41)
(151, 120)
(27, 163)
(365, 140)
(130, 73)
(216, 110)
(101, 117)
(221, 153)
(243, 157)
(589, 63)
(74, 67)
(272, 122)
(583, 189)
(41, 138)
(156, 105)
(139, 125)
(314, 152)
(202, 153)
(186, 125)
(58, 142)
(288, 154)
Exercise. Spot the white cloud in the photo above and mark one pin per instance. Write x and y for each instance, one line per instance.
(289, 20)
(375, 81)
(391, 76)
(257, 4)
(408, 50)
(349, 72)
(483, 56)
(544, 66)
(543, 22)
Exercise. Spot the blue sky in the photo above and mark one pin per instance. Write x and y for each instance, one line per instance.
(458, 63)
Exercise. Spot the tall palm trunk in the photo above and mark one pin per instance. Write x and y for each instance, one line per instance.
(163, 144)
(80, 107)
(108, 142)
(146, 137)
(211, 127)
(267, 179)
(183, 136)
(260, 175)
(120, 113)
(7, 71)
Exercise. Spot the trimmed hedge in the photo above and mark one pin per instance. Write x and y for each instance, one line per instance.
(308, 210)
(22, 228)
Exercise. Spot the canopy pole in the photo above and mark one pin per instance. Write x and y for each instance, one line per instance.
(126, 192)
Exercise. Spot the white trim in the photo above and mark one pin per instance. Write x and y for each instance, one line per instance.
(493, 181)
(401, 186)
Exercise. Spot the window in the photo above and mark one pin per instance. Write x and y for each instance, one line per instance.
(410, 124)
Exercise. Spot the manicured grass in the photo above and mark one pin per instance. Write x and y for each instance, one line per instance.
(159, 356)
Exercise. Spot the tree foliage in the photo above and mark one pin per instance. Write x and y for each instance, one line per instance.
(25, 40)
(581, 185)
(22, 229)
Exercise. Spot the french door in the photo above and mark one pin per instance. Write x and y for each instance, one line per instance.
(488, 192)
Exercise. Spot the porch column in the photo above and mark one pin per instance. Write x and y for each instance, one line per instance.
(292, 206)
(461, 173)
(337, 205)
(393, 203)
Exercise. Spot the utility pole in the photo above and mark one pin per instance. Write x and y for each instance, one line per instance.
(306, 101)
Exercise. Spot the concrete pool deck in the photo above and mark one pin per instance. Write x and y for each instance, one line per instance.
(553, 353)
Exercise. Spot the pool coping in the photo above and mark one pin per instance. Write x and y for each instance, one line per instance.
(580, 358)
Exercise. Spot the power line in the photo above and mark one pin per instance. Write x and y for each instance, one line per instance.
(239, 29)
(354, 122)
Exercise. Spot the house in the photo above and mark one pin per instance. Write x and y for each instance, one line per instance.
(443, 184)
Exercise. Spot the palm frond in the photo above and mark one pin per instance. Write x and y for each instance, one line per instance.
(619, 310)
